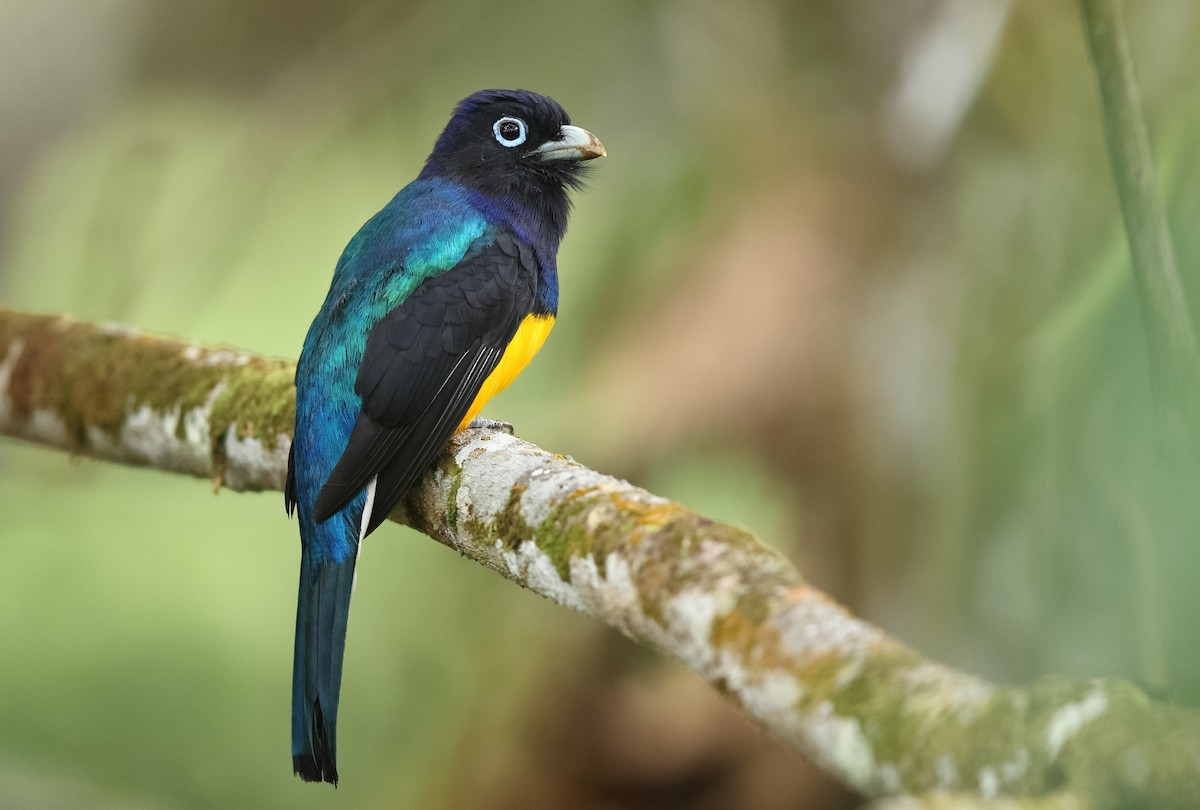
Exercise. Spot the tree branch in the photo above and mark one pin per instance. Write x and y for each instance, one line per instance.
(958, 801)
(866, 708)
(111, 393)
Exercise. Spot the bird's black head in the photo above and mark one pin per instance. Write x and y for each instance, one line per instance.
(514, 146)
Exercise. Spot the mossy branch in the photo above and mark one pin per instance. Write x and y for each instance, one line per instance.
(868, 709)
(959, 801)
(1170, 332)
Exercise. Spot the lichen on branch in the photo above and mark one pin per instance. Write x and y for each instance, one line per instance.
(109, 392)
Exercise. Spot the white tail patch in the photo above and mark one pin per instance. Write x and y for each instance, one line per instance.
(368, 508)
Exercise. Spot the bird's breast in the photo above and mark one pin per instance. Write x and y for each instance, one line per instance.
(530, 336)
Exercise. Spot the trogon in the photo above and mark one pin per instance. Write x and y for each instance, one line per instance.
(436, 304)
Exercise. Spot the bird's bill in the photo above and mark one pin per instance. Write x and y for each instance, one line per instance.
(576, 143)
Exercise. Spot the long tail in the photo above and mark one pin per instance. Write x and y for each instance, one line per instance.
(323, 608)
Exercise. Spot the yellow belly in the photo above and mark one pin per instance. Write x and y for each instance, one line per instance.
(525, 344)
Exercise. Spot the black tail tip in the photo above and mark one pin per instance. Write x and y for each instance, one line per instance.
(308, 768)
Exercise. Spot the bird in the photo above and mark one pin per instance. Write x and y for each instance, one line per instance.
(436, 304)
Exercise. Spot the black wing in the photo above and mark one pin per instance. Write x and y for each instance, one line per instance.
(423, 365)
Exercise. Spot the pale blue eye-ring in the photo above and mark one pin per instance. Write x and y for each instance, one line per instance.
(509, 131)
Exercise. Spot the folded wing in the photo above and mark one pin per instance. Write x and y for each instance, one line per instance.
(423, 365)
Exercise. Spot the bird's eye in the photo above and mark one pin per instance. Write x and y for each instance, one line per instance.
(509, 131)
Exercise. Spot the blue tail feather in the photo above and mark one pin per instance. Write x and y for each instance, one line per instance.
(323, 608)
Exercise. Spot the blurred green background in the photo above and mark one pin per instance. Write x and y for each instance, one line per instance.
(853, 276)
